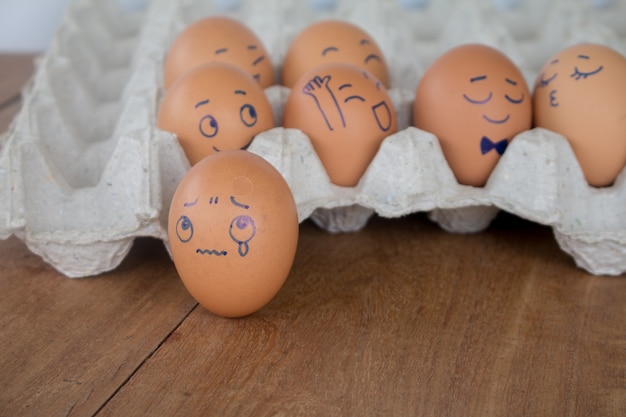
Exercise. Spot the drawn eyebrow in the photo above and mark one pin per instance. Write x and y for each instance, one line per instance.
(583, 56)
(191, 204)
(372, 56)
(251, 47)
(240, 92)
(221, 50)
(341, 87)
(354, 97)
(201, 103)
(479, 78)
(259, 59)
(365, 75)
(364, 42)
(238, 204)
(554, 61)
(510, 81)
(330, 48)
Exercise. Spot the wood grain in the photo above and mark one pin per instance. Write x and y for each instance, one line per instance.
(404, 319)
(68, 345)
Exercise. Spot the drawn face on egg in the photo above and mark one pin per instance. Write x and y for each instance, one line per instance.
(475, 100)
(215, 107)
(330, 41)
(233, 230)
(221, 39)
(580, 93)
(346, 112)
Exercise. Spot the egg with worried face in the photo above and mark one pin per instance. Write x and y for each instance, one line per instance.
(475, 100)
(215, 107)
(333, 41)
(222, 39)
(233, 232)
(580, 93)
(346, 113)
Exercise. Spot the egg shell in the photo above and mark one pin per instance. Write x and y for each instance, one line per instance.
(233, 232)
(214, 107)
(333, 40)
(580, 93)
(475, 100)
(346, 112)
(218, 38)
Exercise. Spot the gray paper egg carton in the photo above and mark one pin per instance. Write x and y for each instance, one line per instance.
(84, 170)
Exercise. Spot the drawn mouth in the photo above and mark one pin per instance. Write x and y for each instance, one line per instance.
(496, 121)
(211, 252)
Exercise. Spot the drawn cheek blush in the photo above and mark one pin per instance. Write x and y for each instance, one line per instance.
(233, 232)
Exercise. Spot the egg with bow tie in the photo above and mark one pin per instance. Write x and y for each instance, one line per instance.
(475, 100)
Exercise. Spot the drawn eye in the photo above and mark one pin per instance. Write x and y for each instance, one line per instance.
(248, 116)
(514, 101)
(208, 126)
(184, 229)
(353, 97)
(473, 101)
(578, 74)
(242, 229)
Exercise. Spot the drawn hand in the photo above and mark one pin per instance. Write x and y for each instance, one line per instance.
(314, 86)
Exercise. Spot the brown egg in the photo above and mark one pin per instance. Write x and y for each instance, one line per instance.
(347, 113)
(233, 232)
(580, 93)
(475, 100)
(333, 41)
(215, 107)
(218, 38)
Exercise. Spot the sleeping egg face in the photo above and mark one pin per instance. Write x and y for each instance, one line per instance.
(215, 107)
(475, 100)
(233, 232)
(333, 41)
(580, 93)
(346, 113)
(222, 39)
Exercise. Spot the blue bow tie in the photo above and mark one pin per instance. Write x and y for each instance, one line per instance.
(487, 145)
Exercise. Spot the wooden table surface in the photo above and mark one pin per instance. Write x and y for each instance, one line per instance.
(398, 319)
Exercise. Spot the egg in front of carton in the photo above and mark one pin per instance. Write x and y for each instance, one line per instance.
(580, 93)
(215, 107)
(233, 232)
(221, 39)
(475, 100)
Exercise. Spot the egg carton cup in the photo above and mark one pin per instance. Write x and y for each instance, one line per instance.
(84, 171)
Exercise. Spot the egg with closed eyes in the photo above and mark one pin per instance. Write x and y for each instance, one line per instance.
(475, 100)
(222, 39)
(580, 93)
(333, 40)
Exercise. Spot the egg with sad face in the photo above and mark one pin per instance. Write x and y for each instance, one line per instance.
(233, 232)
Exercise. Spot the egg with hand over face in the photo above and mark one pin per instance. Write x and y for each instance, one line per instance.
(346, 113)
(329, 41)
(475, 100)
(222, 39)
(233, 232)
(215, 107)
(580, 93)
